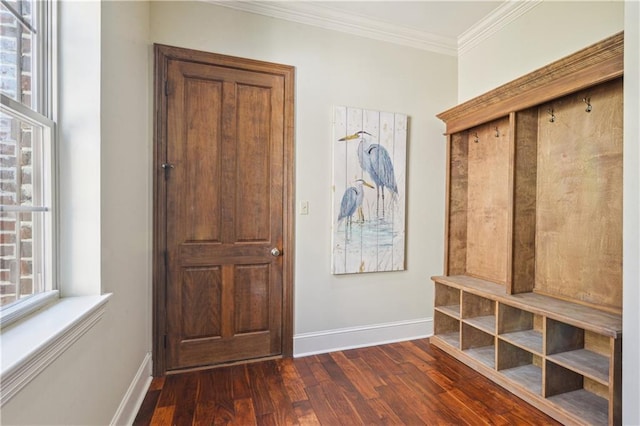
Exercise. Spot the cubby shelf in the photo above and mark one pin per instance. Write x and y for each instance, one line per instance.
(485, 323)
(528, 376)
(585, 362)
(451, 339)
(590, 408)
(452, 310)
(484, 354)
(583, 385)
(530, 340)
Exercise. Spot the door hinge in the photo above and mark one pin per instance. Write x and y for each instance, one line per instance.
(166, 87)
(165, 341)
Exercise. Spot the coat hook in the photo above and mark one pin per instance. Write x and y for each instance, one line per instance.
(588, 102)
(553, 117)
(475, 137)
(497, 133)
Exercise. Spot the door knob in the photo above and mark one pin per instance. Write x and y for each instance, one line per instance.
(275, 252)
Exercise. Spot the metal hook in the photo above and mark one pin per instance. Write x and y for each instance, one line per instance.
(497, 133)
(588, 102)
(553, 117)
(475, 136)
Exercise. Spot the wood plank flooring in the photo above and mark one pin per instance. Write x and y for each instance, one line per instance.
(408, 383)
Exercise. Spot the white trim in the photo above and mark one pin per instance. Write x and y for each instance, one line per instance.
(31, 345)
(132, 400)
(26, 307)
(323, 16)
(506, 13)
(357, 337)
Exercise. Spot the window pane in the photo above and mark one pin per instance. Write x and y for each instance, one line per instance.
(24, 9)
(25, 220)
(17, 54)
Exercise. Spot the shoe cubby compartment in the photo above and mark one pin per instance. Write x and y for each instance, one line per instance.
(522, 367)
(479, 312)
(478, 345)
(447, 329)
(579, 350)
(520, 328)
(447, 300)
(577, 394)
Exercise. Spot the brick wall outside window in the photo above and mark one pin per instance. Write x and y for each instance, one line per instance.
(16, 251)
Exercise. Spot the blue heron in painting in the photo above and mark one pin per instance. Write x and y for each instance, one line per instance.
(352, 201)
(375, 160)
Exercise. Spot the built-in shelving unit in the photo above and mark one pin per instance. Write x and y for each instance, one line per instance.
(531, 294)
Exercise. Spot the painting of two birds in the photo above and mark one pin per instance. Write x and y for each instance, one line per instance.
(369, 182)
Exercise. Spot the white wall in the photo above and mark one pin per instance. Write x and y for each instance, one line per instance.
(79, 148)
(547, 33)
(338, 69)
(87, 383)
(631, 218)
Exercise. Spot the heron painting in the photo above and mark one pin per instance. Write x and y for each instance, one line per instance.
(352, 202)
(368, 224)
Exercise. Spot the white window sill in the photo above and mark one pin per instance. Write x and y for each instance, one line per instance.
(33, 343)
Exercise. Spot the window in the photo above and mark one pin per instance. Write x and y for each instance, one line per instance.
(26, 152)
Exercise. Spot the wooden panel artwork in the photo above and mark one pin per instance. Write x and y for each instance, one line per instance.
(488, 201)
(579, 211)
(369, 190)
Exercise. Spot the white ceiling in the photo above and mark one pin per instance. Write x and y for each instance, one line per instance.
(445, 26)
(440, 18)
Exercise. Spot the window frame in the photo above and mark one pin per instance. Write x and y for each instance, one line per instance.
(42, 114)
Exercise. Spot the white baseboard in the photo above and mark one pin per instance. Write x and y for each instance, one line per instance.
(357, 337)
(132, 400)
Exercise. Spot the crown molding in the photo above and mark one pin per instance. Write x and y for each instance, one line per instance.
(503, 15)
(326, 17)
(332, 19)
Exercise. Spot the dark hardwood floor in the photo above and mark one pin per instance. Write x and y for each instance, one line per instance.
(407, 383)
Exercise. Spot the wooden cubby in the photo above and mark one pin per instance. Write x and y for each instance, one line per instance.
(522, 367)
(478, 344)
(531, 294)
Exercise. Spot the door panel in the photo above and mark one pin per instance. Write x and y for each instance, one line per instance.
(201, 150)
(201, 292)
(224, 214)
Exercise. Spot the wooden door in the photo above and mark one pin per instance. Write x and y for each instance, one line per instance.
(224, 189)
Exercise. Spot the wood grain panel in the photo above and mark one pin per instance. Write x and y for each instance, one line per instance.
(579, 211)
(559, 380)
(524, 201)
(510, 356)
(201, 292)
(598, 63)
(561, 337)
(471, 337)
(456, 233)
(253, 106)
(488, 201)
(202, 130)
(512, 319)
(251, 287)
